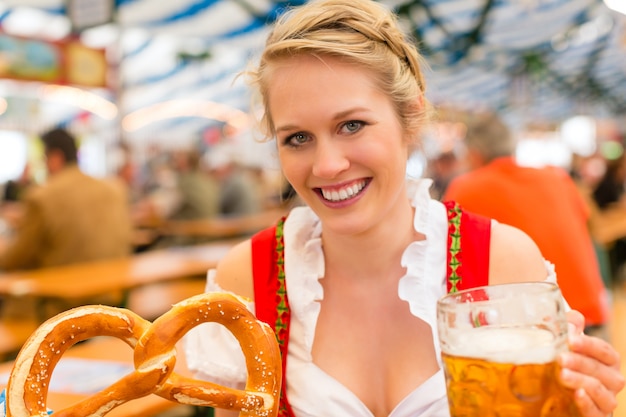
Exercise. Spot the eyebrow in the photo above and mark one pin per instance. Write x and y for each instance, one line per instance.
(337, 116)
(286, 128)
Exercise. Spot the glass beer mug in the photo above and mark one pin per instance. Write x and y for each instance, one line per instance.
(499, 346)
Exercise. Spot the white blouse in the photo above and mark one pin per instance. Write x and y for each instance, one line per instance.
(213, 353)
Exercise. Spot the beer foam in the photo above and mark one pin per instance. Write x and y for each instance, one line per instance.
(516, 345)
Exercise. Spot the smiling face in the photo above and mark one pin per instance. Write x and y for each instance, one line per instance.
(340, 142)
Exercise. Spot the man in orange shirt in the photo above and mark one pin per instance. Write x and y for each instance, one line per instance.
(543, 202)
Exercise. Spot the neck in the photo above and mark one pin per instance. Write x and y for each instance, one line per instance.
(374, 252)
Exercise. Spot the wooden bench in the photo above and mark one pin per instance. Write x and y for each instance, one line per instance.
(78, 283)
(220, 228)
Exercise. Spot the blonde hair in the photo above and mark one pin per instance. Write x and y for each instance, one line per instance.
(362, 32)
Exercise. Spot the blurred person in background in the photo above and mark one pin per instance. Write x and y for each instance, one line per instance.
(608, 194)
(10, 206)
(126, 171)
(159, 197)
(199, 192)
(15, 189)
(443, 168)
(71, 218)
(182, 190)
(610, 189)
(155, 159)
(240, 190)
(583, 171)
(543, 202)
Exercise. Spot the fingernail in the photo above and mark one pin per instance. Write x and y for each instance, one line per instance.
(566, 375)
(574, 341)
(571, 329)
(580, 393)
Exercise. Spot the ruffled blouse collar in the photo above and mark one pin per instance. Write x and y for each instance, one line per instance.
(424, 261)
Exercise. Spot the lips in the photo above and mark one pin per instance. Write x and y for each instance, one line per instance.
(343, 193)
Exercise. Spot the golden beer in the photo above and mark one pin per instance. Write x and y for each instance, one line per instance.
(522, 382)
(499, 348)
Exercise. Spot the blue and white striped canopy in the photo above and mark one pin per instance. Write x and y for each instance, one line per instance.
(531, 59)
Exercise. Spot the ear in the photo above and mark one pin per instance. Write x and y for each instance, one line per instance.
(418, 105)
(414, 121)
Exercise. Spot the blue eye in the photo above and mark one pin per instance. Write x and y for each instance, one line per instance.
(352, 126)
(296, 139)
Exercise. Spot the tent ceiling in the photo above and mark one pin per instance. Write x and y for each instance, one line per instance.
(531, 59)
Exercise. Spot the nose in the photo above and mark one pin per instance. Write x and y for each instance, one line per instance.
(330, 159)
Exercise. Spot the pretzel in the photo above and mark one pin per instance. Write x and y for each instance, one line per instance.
(154, 347)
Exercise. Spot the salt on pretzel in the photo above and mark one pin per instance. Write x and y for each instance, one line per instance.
(258, 343)
(154, 358)
(29, 381)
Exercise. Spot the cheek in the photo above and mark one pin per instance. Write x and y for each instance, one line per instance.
(386, 152)
(293, 169)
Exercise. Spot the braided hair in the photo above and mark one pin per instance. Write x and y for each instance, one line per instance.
(362, 32)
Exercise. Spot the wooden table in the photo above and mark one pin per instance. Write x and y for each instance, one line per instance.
(221, 228)
(90, 279)
(98, 352)
(44, 292)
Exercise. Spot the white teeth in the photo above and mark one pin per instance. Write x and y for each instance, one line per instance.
(344, 193)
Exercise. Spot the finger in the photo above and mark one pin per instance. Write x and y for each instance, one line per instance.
(608, 376)
(595, 348)
(592, 396)
(587, 406)
(577, 320)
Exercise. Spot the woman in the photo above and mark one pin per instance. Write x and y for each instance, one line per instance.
(364, 264)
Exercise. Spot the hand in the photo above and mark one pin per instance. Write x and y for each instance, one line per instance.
(592, 369)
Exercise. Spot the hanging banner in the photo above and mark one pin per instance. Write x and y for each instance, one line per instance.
(67, 62)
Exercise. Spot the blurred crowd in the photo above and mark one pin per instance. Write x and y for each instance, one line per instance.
(574, 210)
(575, 213)
(73, 217)
(190, 185)
(598, 176)
(166, 185)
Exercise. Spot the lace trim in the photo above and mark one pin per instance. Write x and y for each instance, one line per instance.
(454, 245)
(283, 317)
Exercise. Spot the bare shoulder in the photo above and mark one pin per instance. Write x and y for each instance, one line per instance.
(514, 256)
(234, 271)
